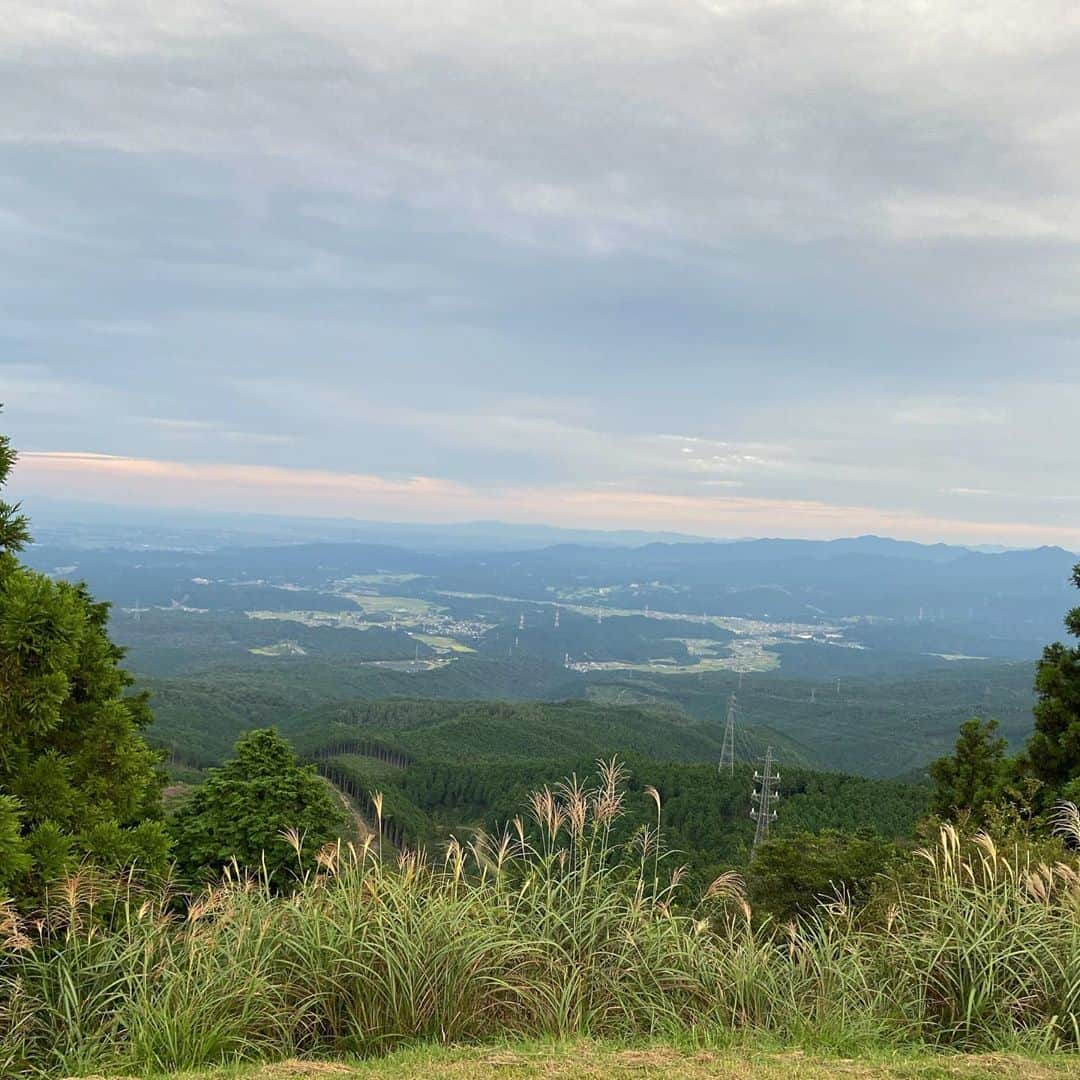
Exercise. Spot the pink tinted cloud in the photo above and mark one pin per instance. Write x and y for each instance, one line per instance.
(312, 492)
(257, 488)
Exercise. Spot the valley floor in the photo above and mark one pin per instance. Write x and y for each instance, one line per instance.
(588, 1061)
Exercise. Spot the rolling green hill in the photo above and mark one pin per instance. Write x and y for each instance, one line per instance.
(447, 768)
(876, 726)
(472, 731)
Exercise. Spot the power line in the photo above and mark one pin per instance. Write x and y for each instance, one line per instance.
(746, 746)
(727, 748)
(764, 798)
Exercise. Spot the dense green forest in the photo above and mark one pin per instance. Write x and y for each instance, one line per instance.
(877, 726)
(705, 815)
(454, 767)
(447, 768)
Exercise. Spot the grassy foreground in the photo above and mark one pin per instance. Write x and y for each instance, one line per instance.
(592, 1061)
(543, 937)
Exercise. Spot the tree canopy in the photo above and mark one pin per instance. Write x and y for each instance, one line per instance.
(77, 779)
(244, 809)
(789, 874)
(973, 776)
(1053, 752)
(978, 774)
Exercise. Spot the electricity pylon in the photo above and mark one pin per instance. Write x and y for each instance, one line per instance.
(764, 798)
(727, 748)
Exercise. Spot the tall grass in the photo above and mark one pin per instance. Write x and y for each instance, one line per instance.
(546, 930)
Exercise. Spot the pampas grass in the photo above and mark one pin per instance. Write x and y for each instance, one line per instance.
(547, 930)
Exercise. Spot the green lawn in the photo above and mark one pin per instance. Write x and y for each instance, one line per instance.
(589, 1061)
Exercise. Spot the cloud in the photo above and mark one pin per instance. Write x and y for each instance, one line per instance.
(793, 251)
(203, 429)
(612, 123)
(222, 485)
(947, 414)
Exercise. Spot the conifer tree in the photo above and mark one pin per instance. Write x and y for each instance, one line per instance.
(244, 809)
(77, 779)
(974, 775)
(1053, 751)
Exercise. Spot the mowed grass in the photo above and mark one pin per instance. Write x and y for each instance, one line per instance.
(593, 1061)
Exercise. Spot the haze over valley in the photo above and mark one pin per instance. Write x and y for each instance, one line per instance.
(862, 654)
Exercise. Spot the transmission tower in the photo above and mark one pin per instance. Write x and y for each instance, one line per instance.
(521, 621)
(727, 749)
(765, 796)
(556, 616)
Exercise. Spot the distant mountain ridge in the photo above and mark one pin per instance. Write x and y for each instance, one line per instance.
(998, 604)
(79, 524)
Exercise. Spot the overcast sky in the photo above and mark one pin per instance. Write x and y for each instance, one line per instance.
(754, 268)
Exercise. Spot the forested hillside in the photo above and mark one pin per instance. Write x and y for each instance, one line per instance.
(878, 726)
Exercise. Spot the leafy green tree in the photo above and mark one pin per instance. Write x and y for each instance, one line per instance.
(790, 874)
(1053, 751)
(77, 779)
(973, 776)
(243, 810)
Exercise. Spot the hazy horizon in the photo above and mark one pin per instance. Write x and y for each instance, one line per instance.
(65, 514)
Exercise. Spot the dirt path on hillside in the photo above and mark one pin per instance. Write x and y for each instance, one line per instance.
(360, 823)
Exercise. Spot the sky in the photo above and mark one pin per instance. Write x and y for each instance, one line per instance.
(738, 269)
